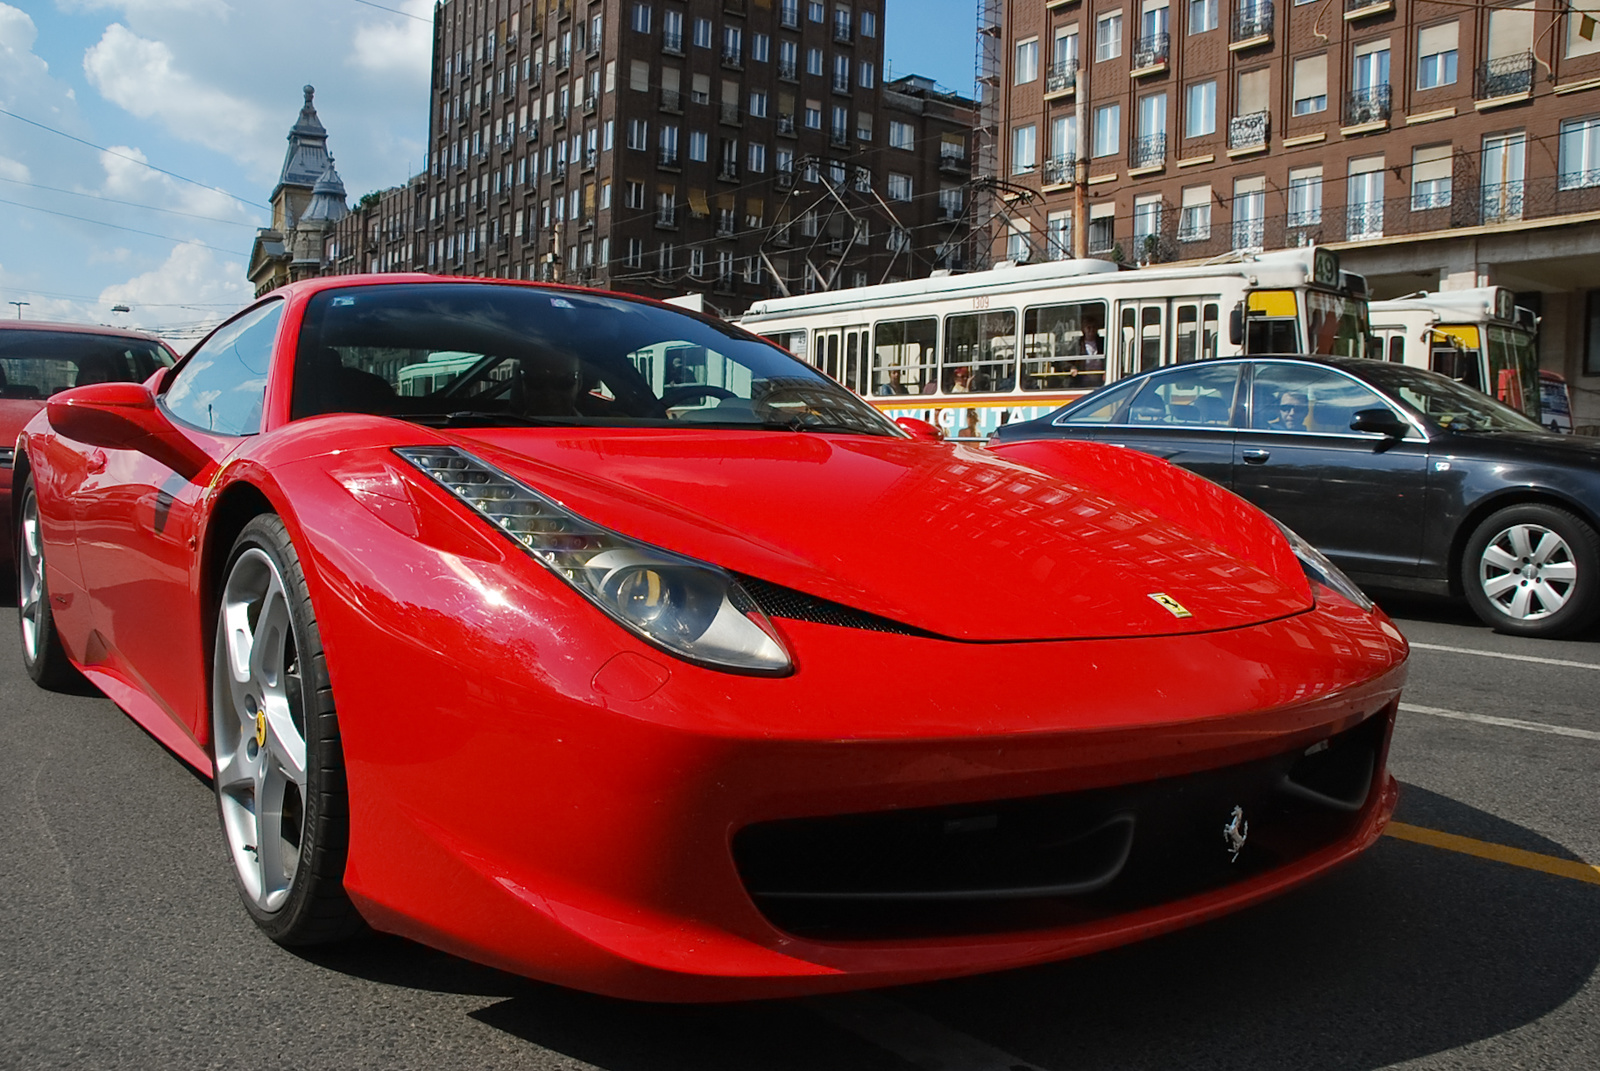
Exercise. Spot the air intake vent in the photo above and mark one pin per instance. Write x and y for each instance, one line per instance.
(778, 601)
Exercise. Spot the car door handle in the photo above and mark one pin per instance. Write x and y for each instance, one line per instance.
(95, 461)
(1255, 457)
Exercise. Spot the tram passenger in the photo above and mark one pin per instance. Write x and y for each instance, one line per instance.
(960, 380)
(893, 385)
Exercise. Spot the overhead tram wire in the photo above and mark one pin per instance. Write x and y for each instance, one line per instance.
(119, 227)
(392, 11)
(134, 159)
(130, 204)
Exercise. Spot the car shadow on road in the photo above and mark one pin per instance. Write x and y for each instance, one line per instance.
(1408, 951)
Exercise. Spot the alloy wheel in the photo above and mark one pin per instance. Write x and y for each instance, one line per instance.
(1527, 571)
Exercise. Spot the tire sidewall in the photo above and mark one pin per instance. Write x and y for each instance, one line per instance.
(1584, 601)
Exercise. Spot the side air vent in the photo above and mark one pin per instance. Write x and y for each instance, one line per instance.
(778, 601)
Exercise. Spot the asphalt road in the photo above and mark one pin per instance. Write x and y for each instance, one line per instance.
(122, 944)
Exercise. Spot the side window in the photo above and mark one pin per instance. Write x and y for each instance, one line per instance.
(1106, 407)
(1197, 396)
(222, 385)
(1307, 398)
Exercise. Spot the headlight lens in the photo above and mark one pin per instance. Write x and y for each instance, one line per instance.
(1319, 570)
(688, 608)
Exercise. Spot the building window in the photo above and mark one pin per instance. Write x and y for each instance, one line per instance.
(758, 157)
(702, 33)
(1249, 212)
(672, 31)
(758, 103)
(1202, 15)
(899, 187)
(813, 115)
(1058, 236)
(1580, 153)
(1583, 28)
(698, 142)
(1436, 55)
(1017, 244)
(1024, 149)
(1430, 177)
(1108, 36)
(869, 24)
(814, 10)
(1200, 110)
(1305, 197)
(641, 17)
(901, 135)
(732, 45)
(638, 134)
(1364, 201)
(841, 74)
(1194, 221)
(814, 61)
(1107, 130)
(869, 75)
(789, 13)
(1311, 85)
(1026, 66)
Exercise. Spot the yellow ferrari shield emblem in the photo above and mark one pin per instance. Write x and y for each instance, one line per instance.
(1171, 605)
(261, 728)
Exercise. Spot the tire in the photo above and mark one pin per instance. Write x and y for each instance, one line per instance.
(279, 773)
(1533, 570)
(42, 654)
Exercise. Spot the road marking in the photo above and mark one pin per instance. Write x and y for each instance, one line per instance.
(1505, 723)
(1510, 657)
(1575, 869)
(912, 1036)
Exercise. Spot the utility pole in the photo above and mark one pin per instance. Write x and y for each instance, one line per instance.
(1080, 165)
(19, 305)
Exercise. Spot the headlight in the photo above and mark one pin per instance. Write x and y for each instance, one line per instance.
(1319, 570)
(688, 608)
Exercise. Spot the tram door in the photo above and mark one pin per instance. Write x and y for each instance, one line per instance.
(842, 353)
(1141, 336)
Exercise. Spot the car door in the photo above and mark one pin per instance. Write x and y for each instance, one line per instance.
(138, 519)
(1185, 414)
(1357, 496)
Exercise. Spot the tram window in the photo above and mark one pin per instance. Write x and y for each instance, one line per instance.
(905, 357)
(1150, 338)
(1202, 396)
(827, 350)
(1186, 334)
(1278, 335)
(1397, 349)
(980, 351)
(1130, 336)
(1460, 365)
(852, 361)
(1208, 331)
(1062, 348)
(793, 341)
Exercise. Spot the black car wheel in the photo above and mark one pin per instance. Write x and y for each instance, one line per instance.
(279, 779)
(1533, 570)
(42, 653)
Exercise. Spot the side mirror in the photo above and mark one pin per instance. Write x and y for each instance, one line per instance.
(1380, 421)
(919, 429)
(123, 416)
(1236, 325)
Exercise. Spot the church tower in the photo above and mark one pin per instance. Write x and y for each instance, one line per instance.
(308, 200)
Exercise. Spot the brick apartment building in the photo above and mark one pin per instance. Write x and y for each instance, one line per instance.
(1437, 145)
(741, 148)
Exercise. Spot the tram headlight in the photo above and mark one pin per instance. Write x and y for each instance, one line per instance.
(1320, 570)
(688, 608)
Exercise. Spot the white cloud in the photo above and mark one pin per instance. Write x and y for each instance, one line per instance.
(15, 170)
(126, 179)
(23, 75)
(148, 7)
(143, 77)
(398, 47)
(193, 276)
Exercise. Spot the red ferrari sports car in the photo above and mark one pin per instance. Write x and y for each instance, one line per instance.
(39, 359)
(609, 644)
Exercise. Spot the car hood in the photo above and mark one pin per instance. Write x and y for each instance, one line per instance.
(948, 539)
(1580, 450)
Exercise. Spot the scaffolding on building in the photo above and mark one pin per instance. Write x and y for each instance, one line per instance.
(987, 210)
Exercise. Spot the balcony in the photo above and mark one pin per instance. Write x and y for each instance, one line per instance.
(954, 163)
(733, 59)
(564, 59)
(786, 125)
(560, 118)
(950, 213)
(789, 18)
(672, 101)
(1149, 151)
(1363, 219)
(1150, 54)
(728, 171)
(1368, 106)
(667, 217)
(1501, 202)
(840, 139)
(1061, 77)
(1361, 9)
(590, 104)
(667, 158)
(1508, 76)
(672, 42)
(788, 72)
(1058, 169)
(591, 157)
(841, 31)
(1252, 26)
(784, 180)
(1249, 131)
(1247, 234)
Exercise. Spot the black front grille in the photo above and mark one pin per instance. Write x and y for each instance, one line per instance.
(1055, 860)
(778, 601)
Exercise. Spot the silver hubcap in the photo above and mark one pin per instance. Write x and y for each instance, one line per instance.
(1528, 572)
(30, 577)
(259, 730)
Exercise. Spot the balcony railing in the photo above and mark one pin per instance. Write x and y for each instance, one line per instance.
(1058, 169)
(1061, 76)
(731, 114)
(1368, 105)
(672, 42)
(1363, 220)
(1249, 131)
(1501, 202)
(1252, 21)
(667, 158)
(728, 171)
(1361, 5)
(672, 101)
(784, 180)
(787, 71)
(1150, 51)
(954, 162)
(1504, 77)
(951, 213)
(841, 85)
(786, 125)
(733, 59)
(840, 139)
(1148, 151)
(841, 31)
(1247, 234)
(789, 18)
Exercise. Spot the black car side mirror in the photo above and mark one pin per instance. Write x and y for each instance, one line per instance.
(1380, 421)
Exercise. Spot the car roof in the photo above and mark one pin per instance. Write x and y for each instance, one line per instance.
(78, 329)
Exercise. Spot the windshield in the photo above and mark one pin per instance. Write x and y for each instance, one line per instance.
(480, 354)
(37, 364)
(1514, 369)
(1338, 324)
(1446, 403)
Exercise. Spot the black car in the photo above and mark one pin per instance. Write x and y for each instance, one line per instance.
(1405, 478)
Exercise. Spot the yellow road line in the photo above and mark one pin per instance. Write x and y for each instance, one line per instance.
(1499, 853)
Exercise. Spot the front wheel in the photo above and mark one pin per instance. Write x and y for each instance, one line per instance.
(1533, 570)
(42, 654)
(279, 776)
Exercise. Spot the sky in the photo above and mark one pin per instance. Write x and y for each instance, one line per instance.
(140, 139)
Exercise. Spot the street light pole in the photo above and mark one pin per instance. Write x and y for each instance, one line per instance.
(19, 305)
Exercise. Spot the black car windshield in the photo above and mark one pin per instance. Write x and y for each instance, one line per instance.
(37, 364)
(479, 354)
(1446, 403)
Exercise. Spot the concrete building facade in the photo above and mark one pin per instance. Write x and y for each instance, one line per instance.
(1437, 145)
